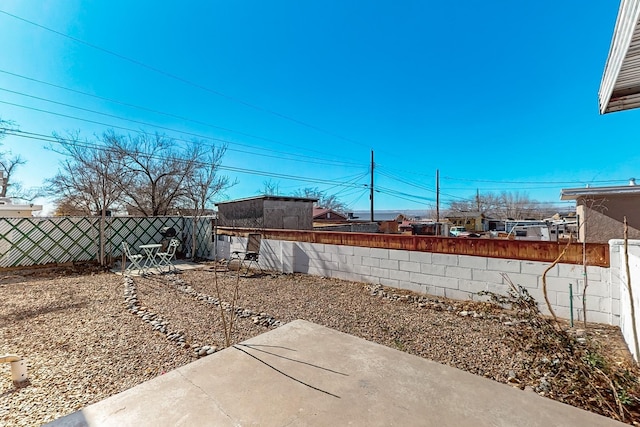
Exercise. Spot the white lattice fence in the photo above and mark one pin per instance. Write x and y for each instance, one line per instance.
(33, 241)
(36, 241)
(204, 237)
(138, 231)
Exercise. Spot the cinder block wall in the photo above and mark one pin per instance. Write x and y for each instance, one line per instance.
(618, 279)
(453, 276)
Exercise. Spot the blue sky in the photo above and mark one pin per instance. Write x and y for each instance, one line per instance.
(499, 96)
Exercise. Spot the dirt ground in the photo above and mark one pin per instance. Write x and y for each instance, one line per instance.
(88, 334)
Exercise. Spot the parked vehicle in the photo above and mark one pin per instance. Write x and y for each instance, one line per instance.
(457, 231)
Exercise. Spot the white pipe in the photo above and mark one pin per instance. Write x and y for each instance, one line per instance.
(18, 367)
(8, 358)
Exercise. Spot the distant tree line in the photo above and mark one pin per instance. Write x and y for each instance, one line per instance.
(504, 205)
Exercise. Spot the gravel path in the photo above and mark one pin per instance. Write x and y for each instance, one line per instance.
(84, 342)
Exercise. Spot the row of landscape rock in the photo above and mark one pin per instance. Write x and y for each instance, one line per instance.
(161, 325)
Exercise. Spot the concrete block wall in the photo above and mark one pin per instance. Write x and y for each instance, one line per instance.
(618, 280)
(453, 276)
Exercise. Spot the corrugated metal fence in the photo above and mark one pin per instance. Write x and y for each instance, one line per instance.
(36, 241)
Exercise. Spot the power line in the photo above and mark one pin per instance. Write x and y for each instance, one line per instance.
(175, 116)
(531, 182)
(181, 79)
(45, 138)
(347, 185)
(406, 199)
(314, 159)
(414, 184)
(356, 200)
(390, 191)
(403, 180)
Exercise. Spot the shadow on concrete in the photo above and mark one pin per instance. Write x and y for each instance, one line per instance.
(237, 347)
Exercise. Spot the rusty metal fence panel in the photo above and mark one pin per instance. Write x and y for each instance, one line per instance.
(34, 241)
(596, 254)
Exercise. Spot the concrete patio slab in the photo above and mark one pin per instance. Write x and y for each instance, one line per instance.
(180, 265)
(305, 374)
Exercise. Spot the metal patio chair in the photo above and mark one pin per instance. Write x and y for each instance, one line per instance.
(164, 258)
(133, 260)
(250, 256)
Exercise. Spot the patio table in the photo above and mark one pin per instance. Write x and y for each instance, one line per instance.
(151, 252)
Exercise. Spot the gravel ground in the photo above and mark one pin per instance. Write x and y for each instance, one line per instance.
(83, 342)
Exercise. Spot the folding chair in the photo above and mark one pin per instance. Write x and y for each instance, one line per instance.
(164, 258)
(134, 260)
(250, 256)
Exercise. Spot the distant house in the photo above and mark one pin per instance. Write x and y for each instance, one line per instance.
(321, 214)
(601, 211)
(278, 212)
(471, 221)
(420, 228)
(8, 209)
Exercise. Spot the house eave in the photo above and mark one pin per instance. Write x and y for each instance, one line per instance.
(576, 193)
(620, 85)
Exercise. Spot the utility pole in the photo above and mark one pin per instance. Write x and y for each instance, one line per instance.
(437, 202)
(478, 198)
(371, 187)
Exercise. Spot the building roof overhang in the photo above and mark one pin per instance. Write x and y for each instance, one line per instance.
(576, 193)
(278, 198)
(620, 85)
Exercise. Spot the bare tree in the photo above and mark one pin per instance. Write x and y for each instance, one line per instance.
(157, 171)
(90, 179)
(505, 205)
(204, 184)
(270, 188)
(6, 126)
(591, 208)
(517, 205)
(487, 204)
(67, 207)
(325, 201)
(8, 165)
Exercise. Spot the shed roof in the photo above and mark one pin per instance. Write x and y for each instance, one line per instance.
(280, 198)
(321, 211)
(620, 85)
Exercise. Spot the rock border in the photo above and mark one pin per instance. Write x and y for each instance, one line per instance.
(179, 338)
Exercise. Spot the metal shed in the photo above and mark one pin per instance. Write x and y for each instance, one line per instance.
(279, 212)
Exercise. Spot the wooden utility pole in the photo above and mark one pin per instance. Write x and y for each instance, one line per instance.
(371, 187)
(438, 202)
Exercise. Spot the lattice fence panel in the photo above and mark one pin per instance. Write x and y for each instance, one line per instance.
(138, 231)
(34, 241)
(204, 235)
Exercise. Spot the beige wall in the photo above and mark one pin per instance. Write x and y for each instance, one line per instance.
(16, 213)
(601, 217)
